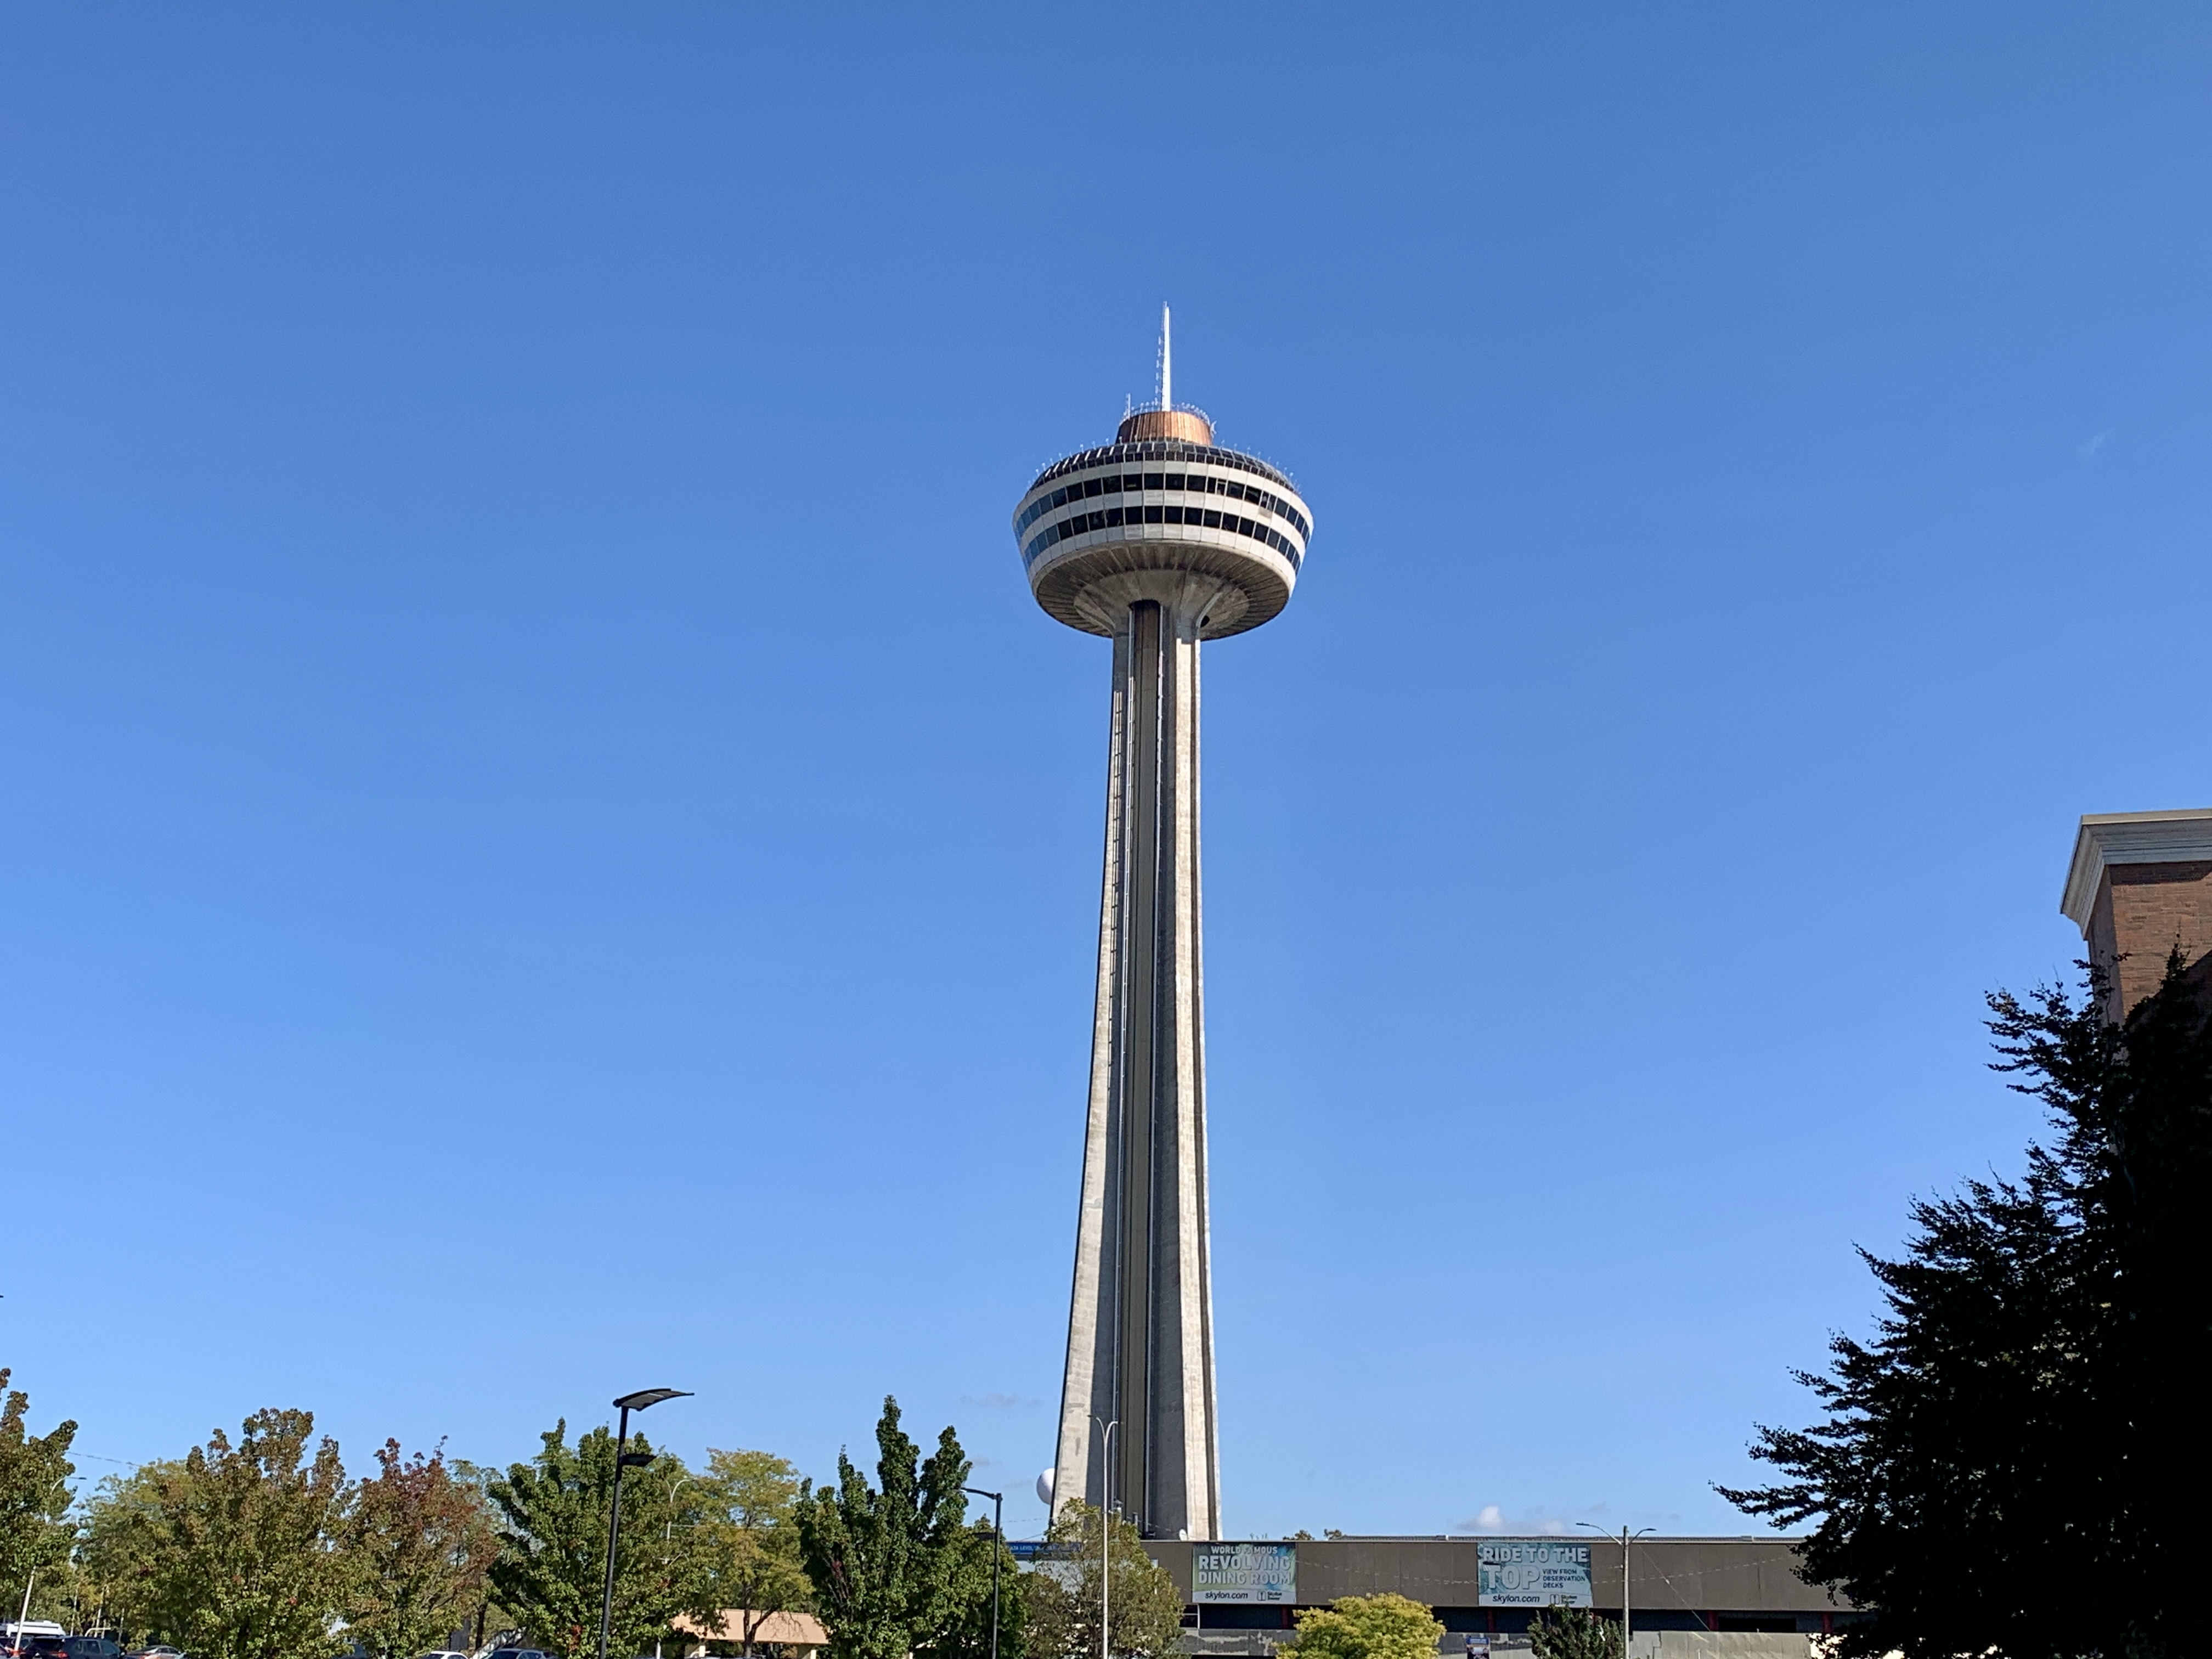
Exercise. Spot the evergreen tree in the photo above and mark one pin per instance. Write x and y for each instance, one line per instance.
(2008, 1466)
(895, 1567)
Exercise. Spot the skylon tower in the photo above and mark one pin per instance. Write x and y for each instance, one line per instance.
(1158, 541)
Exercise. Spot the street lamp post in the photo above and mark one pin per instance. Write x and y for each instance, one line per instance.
(998, 1548)
(1626, 1538)
(1105, 1537)
(668, 1531)
(626, 1404)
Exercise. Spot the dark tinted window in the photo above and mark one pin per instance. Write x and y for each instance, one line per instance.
(1156, 481)
(1175, 481)
(1091, 487)
(1113, 515)
(1133, 481)
(1112, 486)
(1175, 516)
(1152, 514)
(1213, 522)
(1058, 499)
(1162, 449)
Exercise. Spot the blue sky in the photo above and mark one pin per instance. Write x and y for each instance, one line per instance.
(548, 849)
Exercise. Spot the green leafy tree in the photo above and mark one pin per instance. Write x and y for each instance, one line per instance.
(1145, 1605)
(234, 1551)
(2028, 1416)
(36, 1535)
(896, 1569)
(965, 1632)
(422, 1543)
(1367, 1627)
(750, 1540)
(1573, 1634)
(123, 1543)
(551, 1568)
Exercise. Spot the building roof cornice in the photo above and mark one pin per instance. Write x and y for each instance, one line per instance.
(2105, 839)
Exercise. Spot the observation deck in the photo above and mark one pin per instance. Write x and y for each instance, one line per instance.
(1162, 497)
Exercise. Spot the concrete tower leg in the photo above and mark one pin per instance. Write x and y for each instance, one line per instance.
(1140, 1330)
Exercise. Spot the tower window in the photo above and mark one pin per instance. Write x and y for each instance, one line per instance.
(1153, 515)
(1213, 521)
(1175, 481)
(1175, 516)
(1155, 481)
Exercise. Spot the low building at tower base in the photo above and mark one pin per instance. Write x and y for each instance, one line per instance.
(1689, 1598)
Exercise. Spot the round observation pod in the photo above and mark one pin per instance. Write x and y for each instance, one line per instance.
(1103, 528)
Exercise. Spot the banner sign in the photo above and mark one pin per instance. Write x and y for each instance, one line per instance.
(1252, 1573)
(1533, 1572)
(1036, 1549)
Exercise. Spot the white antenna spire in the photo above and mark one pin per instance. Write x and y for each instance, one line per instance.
(1167, 363)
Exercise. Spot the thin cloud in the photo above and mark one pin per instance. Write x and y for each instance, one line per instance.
(1491, 1518)
(999, 1402)
(2095, 444)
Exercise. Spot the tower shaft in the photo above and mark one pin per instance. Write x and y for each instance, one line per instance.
(1140, 1327)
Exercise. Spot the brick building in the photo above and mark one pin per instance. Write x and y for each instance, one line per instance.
(2140, 885)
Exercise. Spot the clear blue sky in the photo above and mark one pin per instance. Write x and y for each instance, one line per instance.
(547, 850)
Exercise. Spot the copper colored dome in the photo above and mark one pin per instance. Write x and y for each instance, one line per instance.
(1185, 423)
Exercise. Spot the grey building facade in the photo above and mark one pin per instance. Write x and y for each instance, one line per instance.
(1721, 1586)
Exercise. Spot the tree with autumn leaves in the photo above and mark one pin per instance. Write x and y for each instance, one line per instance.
(261, 1548)
(236, 1551)
(423, 1544)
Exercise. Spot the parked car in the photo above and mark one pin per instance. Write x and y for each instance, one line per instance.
(159, 1650)
(36, 1647)
(517, 1653)
(442, 1653)
(94, 1647)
